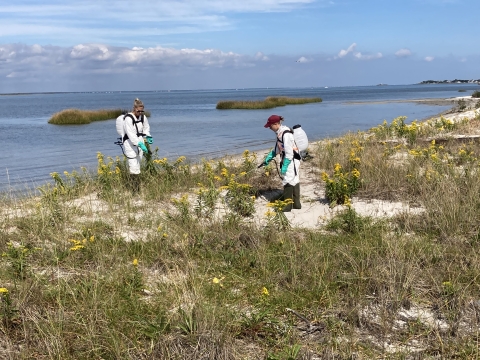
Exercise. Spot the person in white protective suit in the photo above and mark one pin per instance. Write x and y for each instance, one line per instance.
(290, 160)
(136, 127)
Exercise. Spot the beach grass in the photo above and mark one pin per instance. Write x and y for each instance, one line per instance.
(90, 271)
(77, 116)
(476, 94)
(269, 103)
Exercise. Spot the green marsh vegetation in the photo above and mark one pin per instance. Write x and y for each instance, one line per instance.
(88, 271)
(269, 103)
(476, 94)
(77, 116)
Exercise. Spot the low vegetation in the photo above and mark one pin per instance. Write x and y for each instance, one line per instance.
(89, 271)
(476, 94)
(269, 103)
(77, 116)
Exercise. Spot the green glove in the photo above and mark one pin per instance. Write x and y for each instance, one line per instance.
(142, 146)
(150, 140)
(270, 156)
(286, 162)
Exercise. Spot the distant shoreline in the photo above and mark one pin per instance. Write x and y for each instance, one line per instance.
(432, 101)
(455, 81)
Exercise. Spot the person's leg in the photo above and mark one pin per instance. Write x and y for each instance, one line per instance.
(296, 197)
(287, 194)
(135, 183)
(134, 168)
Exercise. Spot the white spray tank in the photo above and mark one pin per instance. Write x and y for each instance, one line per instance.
(120, 128)
(301, 140)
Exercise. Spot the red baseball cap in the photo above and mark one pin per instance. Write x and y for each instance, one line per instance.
(273, 120)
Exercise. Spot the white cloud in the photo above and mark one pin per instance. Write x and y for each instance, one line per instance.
(429, 58)
(344, 53)
(260, 56)
(403, 53)
(98, 58)
(303, 59)
(122, 22)
(361, 56)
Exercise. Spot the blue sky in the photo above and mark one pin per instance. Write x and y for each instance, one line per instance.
(200, 44)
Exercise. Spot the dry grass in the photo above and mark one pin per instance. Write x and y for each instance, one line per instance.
(77, 116)
(269, 103)
(187, 284)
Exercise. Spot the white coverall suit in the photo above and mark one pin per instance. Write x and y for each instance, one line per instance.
(288, 146)
(291, 179)
(132, 151)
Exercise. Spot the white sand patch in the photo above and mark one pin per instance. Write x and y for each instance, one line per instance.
(128, 234)
(18, 212)
(90, 203)
(381, 208)
(457, 117)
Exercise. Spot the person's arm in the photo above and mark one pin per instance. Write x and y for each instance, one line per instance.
(288, 143)
(146, 126)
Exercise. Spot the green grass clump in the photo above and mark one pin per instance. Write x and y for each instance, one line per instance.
(77, 116)
(476, 94)
(269, 103)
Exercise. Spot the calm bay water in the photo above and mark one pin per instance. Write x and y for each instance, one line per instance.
(187, 123)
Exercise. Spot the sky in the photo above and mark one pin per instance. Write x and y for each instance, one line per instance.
(103, 45)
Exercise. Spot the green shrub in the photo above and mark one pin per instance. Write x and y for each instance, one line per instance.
(476, 94)
(349, 221)
(462, 104)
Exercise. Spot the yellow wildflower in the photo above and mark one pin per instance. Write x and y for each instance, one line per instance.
(265, 291)
(3, 291)
(218, 281)
(135, 262)
(324, 176)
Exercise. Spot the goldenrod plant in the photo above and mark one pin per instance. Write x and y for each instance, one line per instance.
(341, 186)
(277, 217)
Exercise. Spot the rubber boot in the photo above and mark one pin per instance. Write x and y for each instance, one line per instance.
(287, 194)
(296, 197)
(135, 183)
